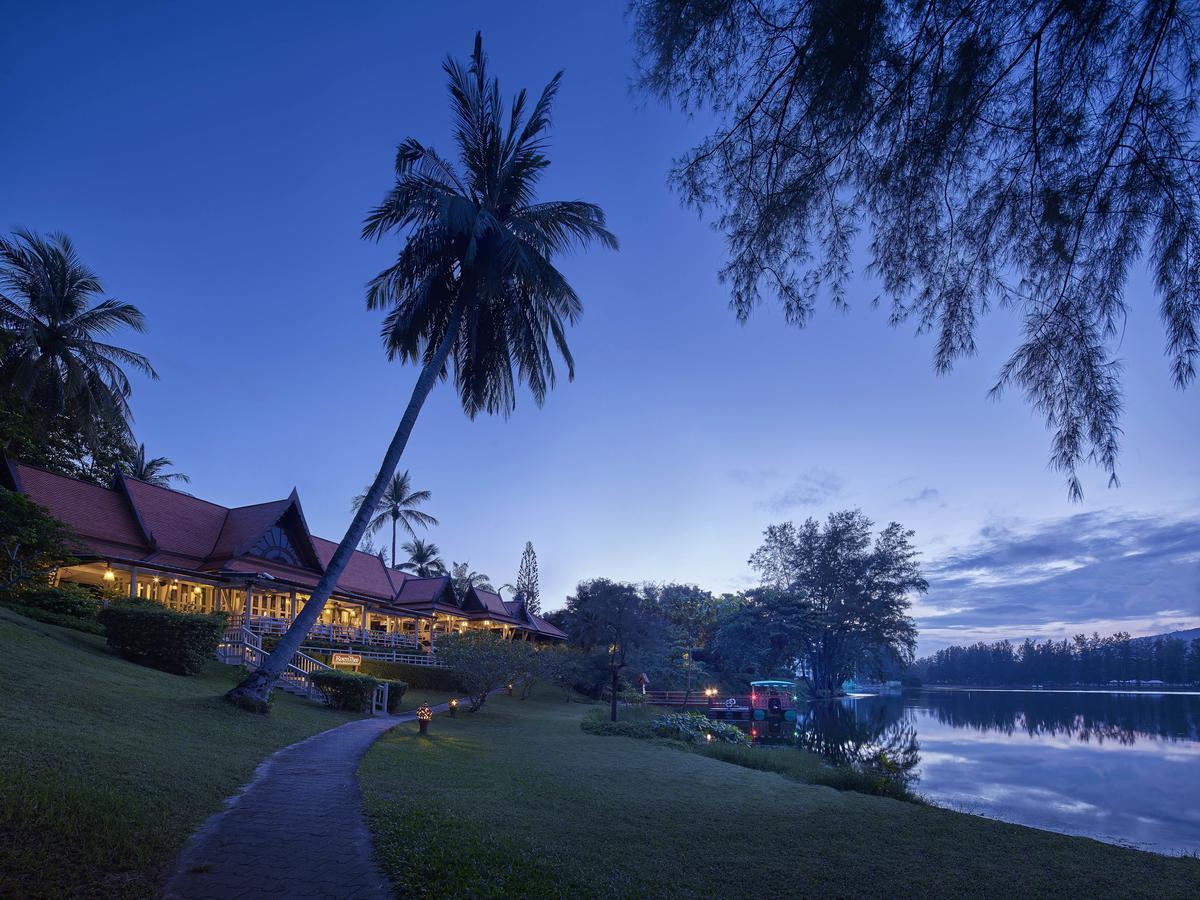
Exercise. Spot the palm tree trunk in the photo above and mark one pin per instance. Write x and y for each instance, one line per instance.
(255, 690)
(393, 542)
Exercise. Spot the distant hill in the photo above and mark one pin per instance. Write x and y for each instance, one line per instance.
(1188, 635)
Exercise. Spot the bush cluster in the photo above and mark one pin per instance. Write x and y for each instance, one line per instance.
(599, 724)
(69, 605)
(162, 638)
(346, 690)
(694, 728)
(422, 678)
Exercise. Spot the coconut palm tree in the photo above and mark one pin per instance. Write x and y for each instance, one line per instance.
(424, 559)
(474, 293)
(465, 578)
(56, 357)
(151, 471)
(399, 505)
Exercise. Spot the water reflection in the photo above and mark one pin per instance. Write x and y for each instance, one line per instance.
(1081, 715)
(875, 737)
(1121, 767)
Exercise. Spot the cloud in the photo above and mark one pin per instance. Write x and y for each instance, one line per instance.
(1102, 571)
(813, 488)
(925, 495)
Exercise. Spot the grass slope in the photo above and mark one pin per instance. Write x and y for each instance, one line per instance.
(106, 767)
(519, 801)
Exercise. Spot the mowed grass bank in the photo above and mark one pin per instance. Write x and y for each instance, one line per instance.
(519, 801)
(106, 767)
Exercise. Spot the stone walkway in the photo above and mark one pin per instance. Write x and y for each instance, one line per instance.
(296, 830)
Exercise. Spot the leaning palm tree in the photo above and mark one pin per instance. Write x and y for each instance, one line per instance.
(153, 470)
(474, 293)
(56, 357)
(423, 560)
(398, 505)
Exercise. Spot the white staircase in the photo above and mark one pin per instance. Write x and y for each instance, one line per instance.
(242, 647)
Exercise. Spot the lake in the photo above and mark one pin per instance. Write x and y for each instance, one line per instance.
(1119, 767)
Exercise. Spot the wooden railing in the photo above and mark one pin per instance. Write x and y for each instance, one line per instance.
(241, 646)
(427, 660)
(676, 698)
(344, 634)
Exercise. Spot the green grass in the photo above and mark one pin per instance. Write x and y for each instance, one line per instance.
(794, 763)
(518, 800)
(106, 767)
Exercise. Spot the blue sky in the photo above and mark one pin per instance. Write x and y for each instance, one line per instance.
(214, 161)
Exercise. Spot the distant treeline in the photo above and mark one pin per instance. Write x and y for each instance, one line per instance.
(1082, 660)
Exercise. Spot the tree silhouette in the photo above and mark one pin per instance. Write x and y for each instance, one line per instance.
(1020, 155)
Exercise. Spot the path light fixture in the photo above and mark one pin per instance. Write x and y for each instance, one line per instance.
(453, 704)
(510, 687)
(424, 717)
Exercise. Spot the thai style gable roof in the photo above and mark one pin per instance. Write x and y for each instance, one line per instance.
(364, 573)
(94, 513)
(178, 525)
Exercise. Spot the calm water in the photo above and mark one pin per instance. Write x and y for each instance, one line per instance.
(1120, 767)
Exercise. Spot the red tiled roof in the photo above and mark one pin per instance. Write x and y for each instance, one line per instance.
(546, 628)
(364, 574)
(418, 589)
(93, 512)
(180, 525)
(492, 603)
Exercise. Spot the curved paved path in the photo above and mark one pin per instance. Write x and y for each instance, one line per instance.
(296, 830)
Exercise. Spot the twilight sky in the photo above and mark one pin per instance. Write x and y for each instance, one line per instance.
(213, 162)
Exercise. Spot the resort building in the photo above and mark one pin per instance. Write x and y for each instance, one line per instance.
(258, 563)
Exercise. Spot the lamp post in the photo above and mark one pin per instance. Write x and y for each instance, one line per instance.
(453, 704)
(424, 716)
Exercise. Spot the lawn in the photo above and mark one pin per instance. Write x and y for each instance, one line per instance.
(108, 766)
(517, 800)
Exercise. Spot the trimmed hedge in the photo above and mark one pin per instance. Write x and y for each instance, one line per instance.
(89, 626)
(422, 678)
(396, 692)
(162, 638)
(346, 690)
(71, 600)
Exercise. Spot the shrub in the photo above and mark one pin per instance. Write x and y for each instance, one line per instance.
(421, 678)
(70, 600)
(162, 638)
(600, 725)
(693, 728)
(346, 690)
(32, 542)
(396, 692)
(90, 626)
(485, 662)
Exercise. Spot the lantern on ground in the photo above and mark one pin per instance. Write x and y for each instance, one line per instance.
(424, 716)
(453, 704)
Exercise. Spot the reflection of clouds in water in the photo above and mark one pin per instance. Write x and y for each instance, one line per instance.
(1104, 766)
(933, 758)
